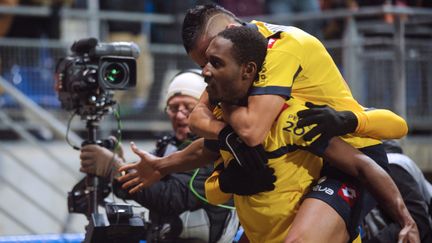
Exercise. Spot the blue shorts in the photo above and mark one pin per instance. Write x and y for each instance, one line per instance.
(345, 194)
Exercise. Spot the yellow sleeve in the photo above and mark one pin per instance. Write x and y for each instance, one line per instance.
(380, 124)
(280, 68)
(212, 191)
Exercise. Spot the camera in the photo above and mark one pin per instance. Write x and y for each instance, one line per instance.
(85, 83)
(86, 79)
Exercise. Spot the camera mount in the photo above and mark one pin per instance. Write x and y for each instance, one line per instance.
(85, 82)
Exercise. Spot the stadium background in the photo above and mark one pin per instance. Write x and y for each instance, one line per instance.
(383, 51)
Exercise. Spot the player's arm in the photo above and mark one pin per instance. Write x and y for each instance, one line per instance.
(376, 180)
(414, 200)
(380, 124)
(151, 169)
(375, 123)
(202, 122)
(252, 122)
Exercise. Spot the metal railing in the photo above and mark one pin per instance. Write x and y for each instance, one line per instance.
(358, 54)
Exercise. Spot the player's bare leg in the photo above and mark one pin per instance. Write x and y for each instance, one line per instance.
(316, 221)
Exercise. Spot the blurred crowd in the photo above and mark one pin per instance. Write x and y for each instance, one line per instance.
(48, 27)
(143, 33)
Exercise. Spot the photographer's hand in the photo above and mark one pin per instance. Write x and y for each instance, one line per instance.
(141, 174)
(98, 160)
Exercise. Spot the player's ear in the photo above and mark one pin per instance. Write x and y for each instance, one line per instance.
(250, 70)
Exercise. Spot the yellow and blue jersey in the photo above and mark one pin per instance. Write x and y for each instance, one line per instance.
(298, 65)
(266, 216)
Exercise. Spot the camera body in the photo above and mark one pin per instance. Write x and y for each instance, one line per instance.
(118, 225)
(86, 79)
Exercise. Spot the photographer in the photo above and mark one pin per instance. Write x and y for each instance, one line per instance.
(176, 214)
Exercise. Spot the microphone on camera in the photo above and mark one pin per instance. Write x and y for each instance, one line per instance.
(84, 45)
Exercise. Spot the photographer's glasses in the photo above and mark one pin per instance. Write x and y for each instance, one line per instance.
(185, 109)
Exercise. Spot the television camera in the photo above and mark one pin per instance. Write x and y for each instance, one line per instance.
(85, 80)
(85, 83)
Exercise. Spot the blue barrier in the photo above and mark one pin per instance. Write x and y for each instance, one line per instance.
(48, 238)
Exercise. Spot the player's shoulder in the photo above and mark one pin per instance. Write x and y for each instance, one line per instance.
(269, 29)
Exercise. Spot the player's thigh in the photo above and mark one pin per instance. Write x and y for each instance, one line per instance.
(316, 221)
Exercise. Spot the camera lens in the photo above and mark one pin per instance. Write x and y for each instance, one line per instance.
(114, 73)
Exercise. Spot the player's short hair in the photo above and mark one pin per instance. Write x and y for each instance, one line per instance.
(248, 45)
(195, 21)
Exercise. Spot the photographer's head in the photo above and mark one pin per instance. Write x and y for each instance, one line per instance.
(183, 94)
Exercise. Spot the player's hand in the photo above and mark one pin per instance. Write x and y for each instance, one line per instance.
(140, 174)
(235, 179)
(409, 233)
(329, 122)
(98, 160)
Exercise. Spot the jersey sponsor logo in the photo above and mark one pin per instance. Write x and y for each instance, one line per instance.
(270, 43)
(348, 194)
(318, 188)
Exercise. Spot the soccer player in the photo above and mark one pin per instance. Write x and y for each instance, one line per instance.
(297, 65)
(267, 216)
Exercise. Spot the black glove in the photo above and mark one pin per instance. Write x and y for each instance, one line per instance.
(329, 122)
(251, 158)
(235, 179)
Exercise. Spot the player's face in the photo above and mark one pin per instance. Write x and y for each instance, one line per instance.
(178, 109)
(213, 26)
(223, 74)
(198, 52)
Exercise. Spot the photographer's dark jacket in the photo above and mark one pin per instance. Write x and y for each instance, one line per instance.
(171, 196)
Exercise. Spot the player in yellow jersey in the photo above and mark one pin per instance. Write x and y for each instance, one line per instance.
(297, 65)
(267, 216)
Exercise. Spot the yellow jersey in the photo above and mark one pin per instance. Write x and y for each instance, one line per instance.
(267, 216)
(298, 65)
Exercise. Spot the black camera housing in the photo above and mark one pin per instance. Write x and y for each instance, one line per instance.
(86, 79)
(118, 225)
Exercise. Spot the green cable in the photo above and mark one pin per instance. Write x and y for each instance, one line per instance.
(201, 197)
(119, 126)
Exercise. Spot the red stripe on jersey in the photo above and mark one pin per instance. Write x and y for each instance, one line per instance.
(271, 42)
(284, 107)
